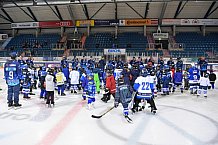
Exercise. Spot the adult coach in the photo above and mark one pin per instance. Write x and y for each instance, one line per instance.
(12, 75)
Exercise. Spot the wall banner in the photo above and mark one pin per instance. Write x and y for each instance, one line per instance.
(106, 22)
(138, 22)
(25, 25)
(114, 51)
(83, 23)
(67, 23)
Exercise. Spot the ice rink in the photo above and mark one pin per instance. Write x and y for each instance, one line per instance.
(181, 119)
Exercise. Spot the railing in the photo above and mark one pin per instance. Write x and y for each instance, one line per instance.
(176, 46)
(153, 46)
(188, 54)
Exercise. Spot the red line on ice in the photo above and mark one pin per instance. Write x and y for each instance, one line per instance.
(53, 134)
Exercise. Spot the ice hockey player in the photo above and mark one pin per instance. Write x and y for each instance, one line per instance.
(42, 75)
(66, 72)
(143, 88)
(90, 91)
(193, 77)
(64, 62)
(117, 72)
(159, 73)
(170, 62)
(134, 73)
(21, 61)
(83, 62)
(84, 81)
(74, 80)
(212, 78)
(203, 65)
(161, 62)
(12, 74)
(97, 80)
(153, 80)
(29, 61)
(165, 83)
(123, 96)
(60, 79)
(50, 87)
(110, 87)
(179, 63)
(177, 81)
(204, 83)
(126, 73)
(25, 82)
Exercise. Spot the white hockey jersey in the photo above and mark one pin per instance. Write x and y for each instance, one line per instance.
(117, 73)
(49, 81)
(74, 77)
(204, 81)
(144, 85)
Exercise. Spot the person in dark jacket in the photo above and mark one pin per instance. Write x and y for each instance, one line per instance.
(123, 96)
(212, 78)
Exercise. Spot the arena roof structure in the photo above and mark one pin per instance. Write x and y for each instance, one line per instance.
(49, 10)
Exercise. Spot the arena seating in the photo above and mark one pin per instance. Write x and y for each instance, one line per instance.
(195, 44)
(131, 41)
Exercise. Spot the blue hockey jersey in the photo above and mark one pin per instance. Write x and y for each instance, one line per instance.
(178, 77)
(194, 74)
(12, 72)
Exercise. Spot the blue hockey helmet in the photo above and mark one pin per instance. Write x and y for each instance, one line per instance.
(90, 76)
(13, 55)
(44, 68)
(166, 67)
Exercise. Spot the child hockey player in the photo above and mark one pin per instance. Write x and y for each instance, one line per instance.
(194, 76)
(166, 83)
(153, 80)
(74, 80)
(26, 82)
(204, 83)
(110, 87)
(90, 87)
(97, 80)
(60, 79)
(42, 75)
(123, 96)
(84, 82)
(178, 77)
(143, 88)
(50, 83)
(212, 78)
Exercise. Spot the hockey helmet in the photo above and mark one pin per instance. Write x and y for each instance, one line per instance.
(120, 80)
(43, 68)
(144, 72)
(126, 65)
(13, 55)
(90, 76)
(166, 67)
(50, 71)
(152, 73)
(206, 75)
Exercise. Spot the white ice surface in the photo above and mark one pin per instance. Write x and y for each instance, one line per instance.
(181, 119)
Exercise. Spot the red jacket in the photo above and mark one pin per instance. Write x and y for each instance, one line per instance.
(111, 84)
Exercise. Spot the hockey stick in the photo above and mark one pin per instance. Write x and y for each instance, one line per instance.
(132, 101)
(96, 116)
